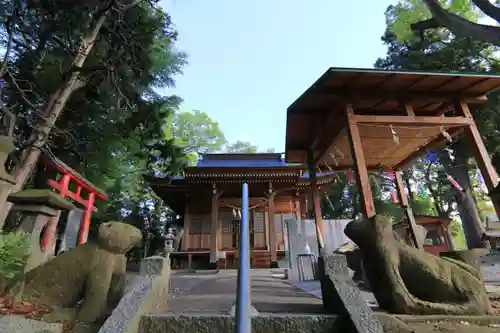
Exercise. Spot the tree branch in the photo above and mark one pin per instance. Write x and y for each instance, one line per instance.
(488, 8)
(458, 25)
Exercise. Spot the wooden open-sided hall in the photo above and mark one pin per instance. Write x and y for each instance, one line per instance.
(374, 120)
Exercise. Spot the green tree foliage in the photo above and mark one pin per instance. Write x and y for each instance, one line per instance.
(112, 129)
(240, 147)
(195, 132)
(342, 199)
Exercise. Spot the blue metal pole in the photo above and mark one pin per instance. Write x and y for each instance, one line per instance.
(243, 315)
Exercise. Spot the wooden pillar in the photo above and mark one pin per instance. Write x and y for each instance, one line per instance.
(49, 236)
(303, 207)
(315, 202)
(273, 244)
(187, 228)
(309, 202)
(480, 153)
(267, 228)
(362, 179)
(86, 219)
(403, 201)
(214, 239)
(298, 210)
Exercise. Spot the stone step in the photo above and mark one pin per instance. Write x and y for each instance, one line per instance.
(262, 323)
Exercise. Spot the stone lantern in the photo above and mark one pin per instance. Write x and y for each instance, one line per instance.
(169, 242)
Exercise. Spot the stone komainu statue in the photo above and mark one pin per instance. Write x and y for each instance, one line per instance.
(93, 273)
(407, 280)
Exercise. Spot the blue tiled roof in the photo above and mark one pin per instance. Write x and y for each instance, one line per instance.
(305, 175)
(241, 160)
(240, 163)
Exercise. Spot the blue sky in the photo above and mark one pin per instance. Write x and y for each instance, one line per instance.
(249, 60)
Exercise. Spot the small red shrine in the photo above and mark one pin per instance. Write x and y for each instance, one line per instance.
(85, 194)
(438, 239)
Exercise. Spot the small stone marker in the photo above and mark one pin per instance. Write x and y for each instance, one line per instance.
(153, 266)
(126, 311)
(70, 236)
(342, 297)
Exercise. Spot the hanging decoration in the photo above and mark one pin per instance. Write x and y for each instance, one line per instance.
(395, 137)
(480, 178)
(446, 134)
(450, 154)
(421, 191)
(347, 195)
(431, 157)
(454, 183)
(350, 177)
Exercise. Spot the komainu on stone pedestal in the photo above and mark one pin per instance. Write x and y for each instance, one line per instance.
(407, 280)
(92, 272)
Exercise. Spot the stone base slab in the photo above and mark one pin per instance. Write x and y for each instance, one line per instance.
(264, 323)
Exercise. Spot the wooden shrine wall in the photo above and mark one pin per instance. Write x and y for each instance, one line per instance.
(199, 220)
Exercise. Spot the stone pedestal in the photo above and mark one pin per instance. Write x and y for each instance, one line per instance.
(37, 207)
(340, 296)
(153, 266)
(69, 238)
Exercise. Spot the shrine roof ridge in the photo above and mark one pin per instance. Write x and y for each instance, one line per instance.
(241, 160)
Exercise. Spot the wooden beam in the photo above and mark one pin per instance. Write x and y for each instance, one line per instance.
(333, 131)
(353, 95)
(187, 228)
(481, 155)
(315, 203)
(410, 120)
(362, 179)
(403, 201)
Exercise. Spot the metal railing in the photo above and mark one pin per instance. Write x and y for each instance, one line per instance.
(243, 297)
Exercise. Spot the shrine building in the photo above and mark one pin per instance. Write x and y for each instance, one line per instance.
(208, 197)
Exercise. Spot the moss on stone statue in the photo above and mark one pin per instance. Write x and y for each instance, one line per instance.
(407, 280)
(93, 272)
(43, 197)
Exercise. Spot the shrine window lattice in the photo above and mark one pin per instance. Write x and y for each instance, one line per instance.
(200, 224)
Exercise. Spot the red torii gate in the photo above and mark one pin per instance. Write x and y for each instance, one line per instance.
(65, 177)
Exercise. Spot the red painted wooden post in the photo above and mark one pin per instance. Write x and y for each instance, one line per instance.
(51, 229)
(86, 218)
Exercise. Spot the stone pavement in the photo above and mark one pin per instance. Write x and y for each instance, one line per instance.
(215, 293)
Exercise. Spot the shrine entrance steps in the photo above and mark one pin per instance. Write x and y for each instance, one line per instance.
(259, 259)
(200, 303)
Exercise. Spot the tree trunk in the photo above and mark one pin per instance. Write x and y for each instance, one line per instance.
(471, 221)
(51, 112)
(406, 178)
